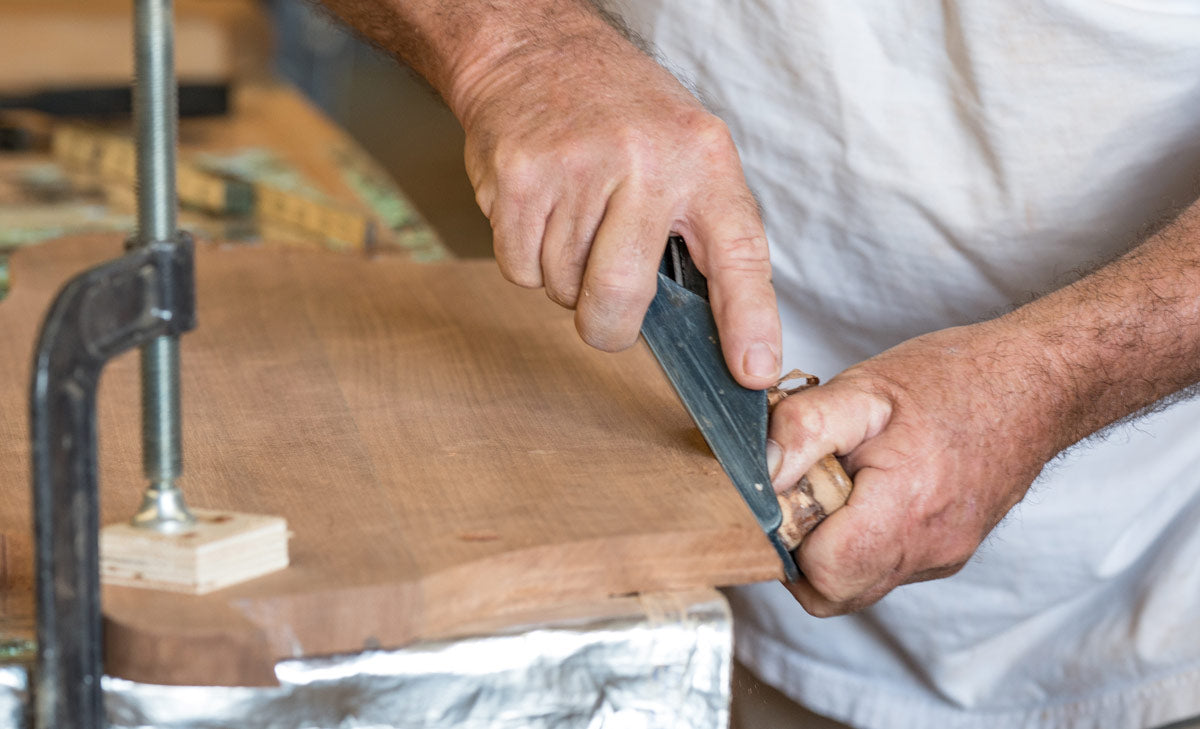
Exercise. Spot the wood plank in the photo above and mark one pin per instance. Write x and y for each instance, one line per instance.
(443, 447)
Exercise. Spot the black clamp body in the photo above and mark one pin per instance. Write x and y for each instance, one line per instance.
(104, 311)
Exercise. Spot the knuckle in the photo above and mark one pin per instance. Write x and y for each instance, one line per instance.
(564, 295)
(746, 254)
(712, 136)
(616, 296)
(947, 553)
(485, 198)
(521, 277)
(631, 142)
(516, 264)
(608, 313)
(579, 159)
(822, 610)
(564, 275)
(876, 400)
(957, 556)
(800, 422)
(953, 569)
(517, 248)
(517, 168)
(831, 588)
(607, 338)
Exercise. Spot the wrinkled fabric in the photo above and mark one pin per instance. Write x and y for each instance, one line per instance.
(923, 165)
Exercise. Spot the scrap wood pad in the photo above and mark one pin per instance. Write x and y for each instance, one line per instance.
(442, 446)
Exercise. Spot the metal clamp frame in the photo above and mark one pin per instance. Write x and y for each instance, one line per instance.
(102, 312)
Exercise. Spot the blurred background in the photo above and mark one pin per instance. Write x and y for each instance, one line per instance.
(63, 62)
(390, 111)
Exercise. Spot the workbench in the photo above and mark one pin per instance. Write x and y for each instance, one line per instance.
(657, 659)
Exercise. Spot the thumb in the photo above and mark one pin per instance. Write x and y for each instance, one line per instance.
(729, 245)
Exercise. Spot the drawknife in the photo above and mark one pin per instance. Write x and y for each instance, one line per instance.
(682, 334)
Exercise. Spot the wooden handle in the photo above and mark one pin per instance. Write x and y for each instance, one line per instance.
(819, 493)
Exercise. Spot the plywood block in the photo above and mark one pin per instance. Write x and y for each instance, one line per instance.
(224, 548)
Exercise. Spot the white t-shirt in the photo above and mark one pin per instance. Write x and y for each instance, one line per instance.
(923, 165)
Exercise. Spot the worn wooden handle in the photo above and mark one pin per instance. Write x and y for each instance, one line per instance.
(822, 490)
(819, 493)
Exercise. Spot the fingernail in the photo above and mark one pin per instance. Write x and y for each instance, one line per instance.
(760, 361)
(774, 458)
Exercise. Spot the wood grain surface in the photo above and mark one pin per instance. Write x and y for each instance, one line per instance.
(444, 448)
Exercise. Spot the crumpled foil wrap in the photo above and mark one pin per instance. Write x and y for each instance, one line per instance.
(667, 668)
(14, 695)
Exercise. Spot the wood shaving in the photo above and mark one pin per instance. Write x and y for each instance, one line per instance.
(782, 389)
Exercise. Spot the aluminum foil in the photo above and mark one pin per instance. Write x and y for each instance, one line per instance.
(662, 668)
(14, 695)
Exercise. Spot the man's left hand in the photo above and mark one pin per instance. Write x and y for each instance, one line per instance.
(942, 435)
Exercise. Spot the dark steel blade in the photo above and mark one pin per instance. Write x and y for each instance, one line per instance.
(680, 330)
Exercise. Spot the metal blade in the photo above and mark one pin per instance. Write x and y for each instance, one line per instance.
(680, 330)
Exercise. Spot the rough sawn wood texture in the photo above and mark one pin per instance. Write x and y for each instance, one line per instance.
(444, 448)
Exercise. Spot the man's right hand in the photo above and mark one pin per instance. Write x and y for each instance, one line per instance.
(585, 155)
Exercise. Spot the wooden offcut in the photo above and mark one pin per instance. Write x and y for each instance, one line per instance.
(444, 448)
(221, 549)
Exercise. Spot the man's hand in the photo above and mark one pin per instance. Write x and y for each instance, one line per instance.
(939, 435)
(585, 155)
(944, 433)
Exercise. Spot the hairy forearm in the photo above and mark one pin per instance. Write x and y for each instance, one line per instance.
(945, 432)
(454, 43)
(585, 155)
(1119, 339)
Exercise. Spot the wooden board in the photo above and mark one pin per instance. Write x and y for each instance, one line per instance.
(443, 447)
